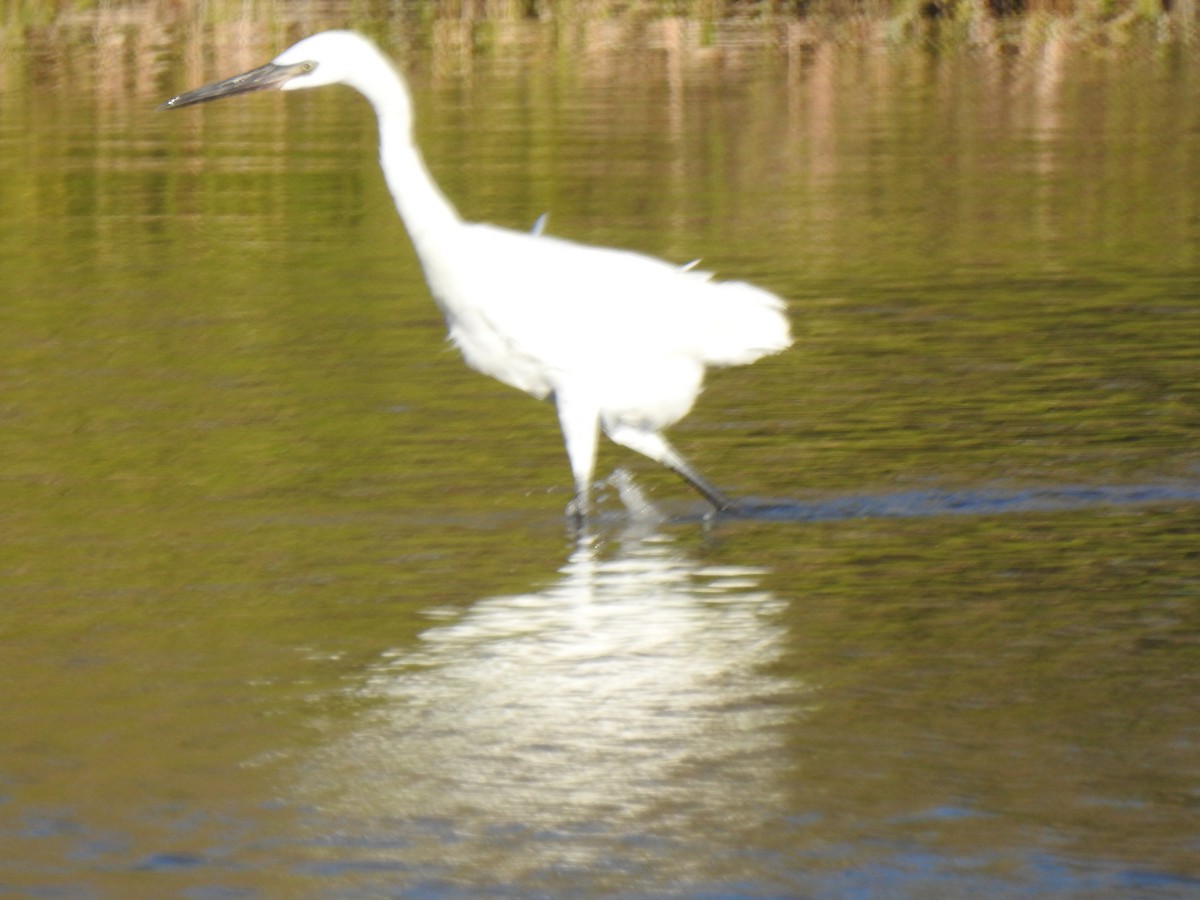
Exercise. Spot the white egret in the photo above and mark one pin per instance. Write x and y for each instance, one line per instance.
(618, 339)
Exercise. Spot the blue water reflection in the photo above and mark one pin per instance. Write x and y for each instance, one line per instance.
(974, 502)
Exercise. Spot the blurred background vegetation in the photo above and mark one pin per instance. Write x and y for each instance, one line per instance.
(1005, 26)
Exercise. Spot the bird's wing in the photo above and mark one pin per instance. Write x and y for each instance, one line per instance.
(572, 304)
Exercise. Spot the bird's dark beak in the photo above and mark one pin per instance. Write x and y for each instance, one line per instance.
(261, 79)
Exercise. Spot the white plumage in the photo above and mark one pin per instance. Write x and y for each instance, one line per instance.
(619, 340)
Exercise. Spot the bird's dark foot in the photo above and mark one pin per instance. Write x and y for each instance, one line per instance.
(577, 511)
(722, 505)
(726, 507)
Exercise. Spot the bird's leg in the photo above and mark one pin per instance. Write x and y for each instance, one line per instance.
(655, 446)
(579, 420)
(720, 501)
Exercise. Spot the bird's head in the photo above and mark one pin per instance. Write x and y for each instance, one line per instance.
(331, 57)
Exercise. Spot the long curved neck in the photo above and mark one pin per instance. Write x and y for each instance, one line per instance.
(420, 202)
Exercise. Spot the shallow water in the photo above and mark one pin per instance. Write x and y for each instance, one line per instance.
(289, 602)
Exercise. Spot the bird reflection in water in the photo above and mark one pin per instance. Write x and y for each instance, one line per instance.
(631, 698)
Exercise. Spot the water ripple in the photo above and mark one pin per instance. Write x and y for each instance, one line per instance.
(983, 502)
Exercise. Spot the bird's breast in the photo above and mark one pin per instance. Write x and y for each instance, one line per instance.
(494, 354)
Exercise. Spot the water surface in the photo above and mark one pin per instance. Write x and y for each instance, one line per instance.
(289, 604)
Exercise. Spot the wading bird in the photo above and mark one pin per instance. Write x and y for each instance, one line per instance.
(617, 339)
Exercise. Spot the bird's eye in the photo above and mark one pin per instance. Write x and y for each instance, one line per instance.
(307, 66)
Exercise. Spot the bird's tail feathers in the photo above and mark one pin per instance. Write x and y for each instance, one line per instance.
(743, 323)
